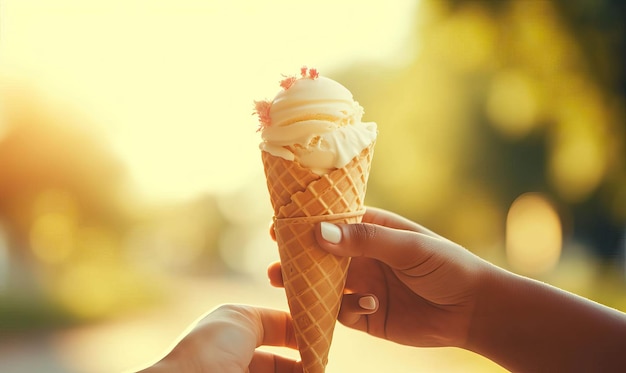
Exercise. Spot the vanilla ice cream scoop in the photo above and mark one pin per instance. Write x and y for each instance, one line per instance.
(314, 121)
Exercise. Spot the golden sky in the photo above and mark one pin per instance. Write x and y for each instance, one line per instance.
(170, 83)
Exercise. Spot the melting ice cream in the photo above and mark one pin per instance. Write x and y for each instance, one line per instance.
(314, 121)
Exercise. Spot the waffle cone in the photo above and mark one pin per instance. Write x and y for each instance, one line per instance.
(314, 279)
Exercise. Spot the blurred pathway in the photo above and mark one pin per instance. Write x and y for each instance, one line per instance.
(125, 344)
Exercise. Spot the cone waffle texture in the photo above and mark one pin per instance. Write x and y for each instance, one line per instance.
(314, 280)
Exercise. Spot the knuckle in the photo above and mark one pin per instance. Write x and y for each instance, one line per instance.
(363, 233)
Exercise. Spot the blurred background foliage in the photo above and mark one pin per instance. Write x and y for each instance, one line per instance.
(509, 103)
(506, 132)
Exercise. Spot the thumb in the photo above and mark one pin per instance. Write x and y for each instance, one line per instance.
(399, 249)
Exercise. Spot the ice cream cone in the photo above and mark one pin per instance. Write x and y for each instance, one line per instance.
(317, 153)
(314, 280)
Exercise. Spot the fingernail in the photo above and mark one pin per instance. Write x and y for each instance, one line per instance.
(331, 232)
(367, 303)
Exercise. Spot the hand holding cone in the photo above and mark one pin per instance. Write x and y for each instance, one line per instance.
(314, 280)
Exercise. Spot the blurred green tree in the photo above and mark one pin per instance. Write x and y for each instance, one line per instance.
(46, 148)
(503, 98)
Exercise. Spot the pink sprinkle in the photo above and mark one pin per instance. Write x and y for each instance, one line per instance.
(262, 109)
(287, 82)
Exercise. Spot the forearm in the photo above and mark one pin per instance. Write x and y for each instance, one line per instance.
(528, 326)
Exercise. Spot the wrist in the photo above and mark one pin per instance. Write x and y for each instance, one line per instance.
(526, 325)
(499, 292)
(486, 292)
(466, 317)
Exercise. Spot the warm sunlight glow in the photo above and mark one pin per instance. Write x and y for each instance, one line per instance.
(533, 235)
(51, 238)
(512, 105)
(53, 234)
(466, 40)
(171, 83)
(88, 290)
(581, 145)
(133, 196)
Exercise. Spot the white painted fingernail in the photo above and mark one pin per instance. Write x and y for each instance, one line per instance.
(367, 303)
(331, 232)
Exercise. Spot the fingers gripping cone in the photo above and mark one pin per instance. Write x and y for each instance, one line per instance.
(317, 122)
(314, 280)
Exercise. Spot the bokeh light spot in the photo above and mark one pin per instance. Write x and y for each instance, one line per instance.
(579, 157)
(88, 290)
(512, 105)
(52, 234)
(52, 238)
(533, 235)
(466, 41)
